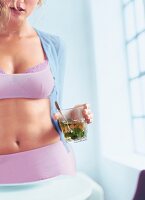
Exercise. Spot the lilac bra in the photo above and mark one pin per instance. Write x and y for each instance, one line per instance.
(35, 82)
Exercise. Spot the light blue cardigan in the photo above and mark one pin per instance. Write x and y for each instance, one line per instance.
(55, 52)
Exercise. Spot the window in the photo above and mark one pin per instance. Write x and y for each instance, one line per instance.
(134, 31)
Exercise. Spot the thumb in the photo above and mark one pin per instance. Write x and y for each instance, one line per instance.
(56, 116)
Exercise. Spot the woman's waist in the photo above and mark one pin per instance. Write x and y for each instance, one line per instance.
(22, 124)
(26, 138)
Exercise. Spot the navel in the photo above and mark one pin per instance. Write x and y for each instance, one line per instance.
(17, 142)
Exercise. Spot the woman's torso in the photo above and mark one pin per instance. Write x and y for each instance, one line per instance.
(24, 123)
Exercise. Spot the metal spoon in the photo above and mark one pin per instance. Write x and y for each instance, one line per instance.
(58, 108)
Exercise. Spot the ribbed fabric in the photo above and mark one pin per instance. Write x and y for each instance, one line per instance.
(37, 164)
(35, 82)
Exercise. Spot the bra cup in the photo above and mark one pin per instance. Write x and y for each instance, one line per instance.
(37, 83)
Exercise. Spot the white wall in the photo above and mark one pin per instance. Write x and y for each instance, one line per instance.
(118, 180)
(71, 20)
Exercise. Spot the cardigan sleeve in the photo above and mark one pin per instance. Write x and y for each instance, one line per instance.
(58, 52)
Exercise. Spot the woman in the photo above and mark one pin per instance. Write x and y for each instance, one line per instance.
(32, 146)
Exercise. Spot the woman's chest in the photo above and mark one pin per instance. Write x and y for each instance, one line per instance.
(18, 56)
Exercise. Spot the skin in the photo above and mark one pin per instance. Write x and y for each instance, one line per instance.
(24, 123)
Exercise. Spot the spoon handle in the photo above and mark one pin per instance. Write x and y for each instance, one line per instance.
(58, 108)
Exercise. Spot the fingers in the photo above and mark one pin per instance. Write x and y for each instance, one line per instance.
(89, 119)
(86, 111)
(88, 115)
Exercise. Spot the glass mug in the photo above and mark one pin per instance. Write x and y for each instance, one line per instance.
(72, 124)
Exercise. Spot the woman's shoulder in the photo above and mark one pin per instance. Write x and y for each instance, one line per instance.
(52, 39)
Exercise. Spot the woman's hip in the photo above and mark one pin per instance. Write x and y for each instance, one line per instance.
(37, 164)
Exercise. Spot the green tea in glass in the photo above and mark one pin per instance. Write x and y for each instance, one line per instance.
(72, 124)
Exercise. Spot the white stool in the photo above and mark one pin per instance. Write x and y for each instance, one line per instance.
(79, 187)
(97, 192)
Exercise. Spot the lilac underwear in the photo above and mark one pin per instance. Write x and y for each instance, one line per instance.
(35, 82)
(37, 164)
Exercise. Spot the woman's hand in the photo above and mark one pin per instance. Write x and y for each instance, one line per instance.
(87, 114)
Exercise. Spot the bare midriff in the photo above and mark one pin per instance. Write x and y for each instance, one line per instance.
(25, 124)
